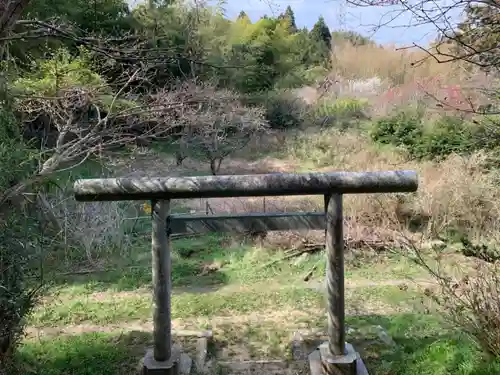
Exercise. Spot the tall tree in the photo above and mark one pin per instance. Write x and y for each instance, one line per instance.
(478, 37)
(243, 16)
(94, 16)
(320, 31)
(309, 51)
(289, 16)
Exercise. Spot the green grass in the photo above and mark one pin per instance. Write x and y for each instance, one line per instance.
(230, 262)
(86, 354)
(254, 306)
(138, 306)
(108, 308)
(424, 346)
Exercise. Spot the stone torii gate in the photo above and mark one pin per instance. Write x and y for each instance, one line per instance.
(334, 357)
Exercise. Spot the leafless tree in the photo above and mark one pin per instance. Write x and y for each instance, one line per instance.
(86, 121)
(212, 123)
(470, 40)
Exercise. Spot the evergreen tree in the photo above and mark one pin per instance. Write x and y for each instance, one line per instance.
(243, 16)
(320, 31)
(289, 16)
(478, 36)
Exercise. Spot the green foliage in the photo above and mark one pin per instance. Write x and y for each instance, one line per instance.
(289, 17)
(447, 135)
(309, 51)
(282, 110)
(320, 31)
(340, 111)
(484, 252)
(100, 16)
(17, 299)
(103, 18)
(403, 129)
(243, 16)
(478, 36)
(436, 139)
(62, 71)
(180, 41)
(16, 159)
(65, 71)
(263, 52)
(487, 132)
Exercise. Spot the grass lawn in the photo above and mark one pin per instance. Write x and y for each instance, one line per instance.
(100, 324)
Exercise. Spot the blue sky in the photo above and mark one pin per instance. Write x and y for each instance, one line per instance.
(401, 31)
(338, 14)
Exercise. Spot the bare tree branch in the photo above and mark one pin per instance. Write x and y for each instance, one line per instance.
(471, 43)
(10, 12)
(213, 123)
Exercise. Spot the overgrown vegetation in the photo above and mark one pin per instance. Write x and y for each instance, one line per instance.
(88, 91)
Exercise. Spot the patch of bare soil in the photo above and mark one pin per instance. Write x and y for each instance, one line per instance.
(265, 368)
(149, 164)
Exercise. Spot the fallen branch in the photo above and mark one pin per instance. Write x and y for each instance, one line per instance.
(350, 244)
(309, 274)
(295, 252)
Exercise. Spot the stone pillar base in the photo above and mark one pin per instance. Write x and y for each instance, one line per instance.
(178, 364)
(322, 362)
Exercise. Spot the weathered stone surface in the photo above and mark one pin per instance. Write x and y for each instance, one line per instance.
(247, 222)
(321, 363)
(384, 336)
(169, 367)
(315, 363)
(306, 341)
(338, 365)
(201, 354)
(191, 333)
(244, 185)
(185, 364)
(267, 367)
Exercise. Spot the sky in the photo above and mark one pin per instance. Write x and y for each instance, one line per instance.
(402, 31)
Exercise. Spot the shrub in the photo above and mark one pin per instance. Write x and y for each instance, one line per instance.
(445, 136)
(300, 76)
(213, 122)
(472, 303)
(433, 140)
(282, 109)
(403, 129)
(329, 147)
(468, 297)
(17, 242)
(481, 251)
(340, 111)
(486, 132)
(62, 71)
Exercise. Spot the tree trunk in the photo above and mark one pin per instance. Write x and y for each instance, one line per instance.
(215, 165)
(10, 12)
